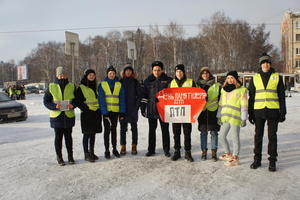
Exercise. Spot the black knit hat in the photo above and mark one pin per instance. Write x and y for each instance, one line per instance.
(180, 67)
(265, 58)
(128, 67)
(88, 71)
(110, 68)
(157, 63)
(235, 75)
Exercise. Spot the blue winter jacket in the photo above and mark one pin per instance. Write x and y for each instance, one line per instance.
(102, 102)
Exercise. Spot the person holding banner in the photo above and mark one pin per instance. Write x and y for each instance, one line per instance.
(112, 106)
(132, 89)
(90, 116)
(182, 81)
(208, 121)
(157, 81)
(59, 98)
(232, 114)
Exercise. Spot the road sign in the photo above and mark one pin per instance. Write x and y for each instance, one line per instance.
(72, 44)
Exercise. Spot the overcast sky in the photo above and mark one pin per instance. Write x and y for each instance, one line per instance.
(26, 15)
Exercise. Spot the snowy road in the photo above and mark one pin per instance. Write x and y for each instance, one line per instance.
(28, 169)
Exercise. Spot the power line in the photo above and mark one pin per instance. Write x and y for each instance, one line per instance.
(117, 27)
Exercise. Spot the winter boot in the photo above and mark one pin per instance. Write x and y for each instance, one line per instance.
(123, 150)
(60, 160)
(204, 154)
(167, 154)
(71, 159)
(176, 155)
(92, 154)
(256, 164)
(88, 157)
(107, 154)
(149, 153)
(272, 166)
(133, 149)
(214, 155)
(116, 153)
(188, 156)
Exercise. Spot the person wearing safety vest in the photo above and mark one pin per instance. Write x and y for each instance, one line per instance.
(207, 120)
(266, 104)
(232, 114)
(59, 99)
(90, 116)
(112, 105)
(181, 80)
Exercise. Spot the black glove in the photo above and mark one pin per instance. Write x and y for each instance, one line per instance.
(143, 109)
(281, 118)
(251, 118)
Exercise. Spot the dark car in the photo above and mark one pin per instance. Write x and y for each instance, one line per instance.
(32, 90)
(10, 110)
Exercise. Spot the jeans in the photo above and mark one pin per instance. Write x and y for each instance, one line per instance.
(235, 134)
(85, 141)
(214, 139)
(110, 128)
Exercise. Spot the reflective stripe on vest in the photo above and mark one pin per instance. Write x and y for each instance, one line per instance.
(90, 97)
(231, 103)
(56, 93)
(266, 97)
(187, 83)
(212, 100)
(112, 99)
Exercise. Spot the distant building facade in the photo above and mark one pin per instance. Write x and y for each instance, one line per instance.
(290, 43)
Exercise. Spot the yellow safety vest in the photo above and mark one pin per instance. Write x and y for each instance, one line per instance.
(231, 104)
(212, 99)
(187, 83)
(90, 97)
(56, 93)
(112, 99)
(266, 97)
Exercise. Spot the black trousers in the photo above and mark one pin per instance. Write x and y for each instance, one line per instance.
(59, 134)
(272, 136)
(110, 127)
(88, 138)
(134, 131)
(187, 129)
(152, 135)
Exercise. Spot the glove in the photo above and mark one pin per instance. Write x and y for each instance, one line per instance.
(143, 109)
(251, 119)
(281, 118)
(243, 123)
(220, 122)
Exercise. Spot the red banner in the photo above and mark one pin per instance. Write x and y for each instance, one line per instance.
(180, 105)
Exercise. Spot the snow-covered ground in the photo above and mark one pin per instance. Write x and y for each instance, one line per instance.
(28, 168)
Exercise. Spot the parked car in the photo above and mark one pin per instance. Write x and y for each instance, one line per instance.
(32, 90)
(11, 110)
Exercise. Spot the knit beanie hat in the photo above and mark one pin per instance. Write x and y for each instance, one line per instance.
(235, 75)
(180, 67)
(265, 58)
(59, 70)
(128, 67)
(157, 63)
(88, 71)
(110, 68)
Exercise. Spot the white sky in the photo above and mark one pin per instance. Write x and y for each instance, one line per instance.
(19, 15)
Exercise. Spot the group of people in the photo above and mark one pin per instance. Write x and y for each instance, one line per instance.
(227, 109)
(16, 91)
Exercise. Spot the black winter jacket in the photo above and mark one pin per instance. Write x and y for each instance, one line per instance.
(267, 113)
(152, 85)
(62, 121)
(207, 120)
(132, 98)
(90, 120)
